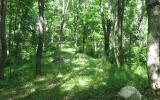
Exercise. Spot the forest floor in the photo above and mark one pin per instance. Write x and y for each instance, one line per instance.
(76, 77)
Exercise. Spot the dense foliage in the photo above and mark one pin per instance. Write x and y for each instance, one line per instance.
(91, 48)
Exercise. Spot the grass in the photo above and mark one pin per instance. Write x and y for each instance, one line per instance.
(78, 77)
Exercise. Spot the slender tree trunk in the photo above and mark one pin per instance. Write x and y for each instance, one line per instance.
(85, 35)
(9, 37)
(76, 22)
(109, 25)
(9, 47)
(75, 39)
(15, 27)
(16, 33)
(153, 63)
(2, 38)
(95, 45)
(61, 30)
(120, 33)
(41, 37)
(115, 42)
(62, 21)
(106, 32)
(139, 15)
(75, 31)
(115, 28)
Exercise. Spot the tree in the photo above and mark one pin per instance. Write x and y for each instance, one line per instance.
(76, 10)
(85, 36)
(106, 32)
(41, 36)
(153, 63)
(62, 21)
(120, 32)
(139, 15)
(85, 27)
(2, 38)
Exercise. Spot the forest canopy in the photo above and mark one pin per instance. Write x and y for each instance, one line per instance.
(78, 49)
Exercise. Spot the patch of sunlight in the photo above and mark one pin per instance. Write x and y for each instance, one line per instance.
(99, 70)
(88, 68)
(104, 83)
(25, 94)
(50, 59)
(17, 94)
(40, 79)
(83, 82)
(67, 76)
(59, 75)
(50, 86)
(32, 90)
(70, 50)
(25, 54)
(80, 81)
(28, 85)
(66, 60)
(140, 71)
(80, 61)
(69, 85)
(76, 68)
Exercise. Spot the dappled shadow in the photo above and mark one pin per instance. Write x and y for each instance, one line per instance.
(77, 77)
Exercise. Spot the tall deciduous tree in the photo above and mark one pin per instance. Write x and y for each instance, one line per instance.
(106, 34)
(62, 21)
(120, 33)
(85, 28)
(76, 9)
(41, 36)
(153, 63)
(139, 15)
(2, 38)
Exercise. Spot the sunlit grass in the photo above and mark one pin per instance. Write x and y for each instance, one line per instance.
(80, 81)
(40, 79)
(79, 77)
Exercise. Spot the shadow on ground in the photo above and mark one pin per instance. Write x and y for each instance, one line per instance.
(77, 77)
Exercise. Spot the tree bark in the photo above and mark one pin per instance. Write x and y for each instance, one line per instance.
(153, 63)
(75, 26)
(139, 15)
(62, 21)
(85, 36)
(41, 37)
(106, 32)
(120, 32)
(2, 38)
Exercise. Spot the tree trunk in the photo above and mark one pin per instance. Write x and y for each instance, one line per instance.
(139, 15)
(75, 25)
(95, 45)
(153, 63)
(119, 31)
(62, 21)
(2, 37)
(85, 35)
(106, 32)
(9, 37)
(61, 30)
(41, 37)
